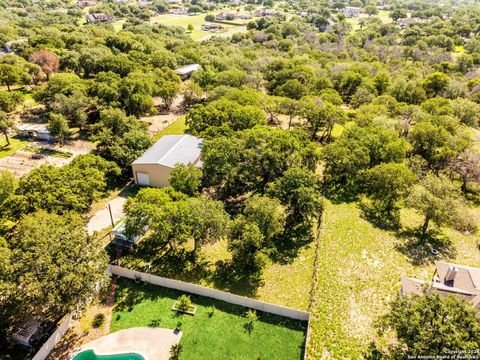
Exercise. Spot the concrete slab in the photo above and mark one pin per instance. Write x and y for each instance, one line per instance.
(151, 343)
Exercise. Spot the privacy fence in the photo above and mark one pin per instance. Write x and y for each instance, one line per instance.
(217, 294)
(65, 323)
(211, 293)
(62, 328)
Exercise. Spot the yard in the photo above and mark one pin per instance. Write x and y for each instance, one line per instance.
(216, 331)
(196, 21)
(175, 128)
(358, 272)
(15, 144)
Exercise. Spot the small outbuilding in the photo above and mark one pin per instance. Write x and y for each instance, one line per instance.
(226, 15)
(97, 18)
(186, 71)
(34, 131)
(154, 166)
(122, 238)
(352, 12)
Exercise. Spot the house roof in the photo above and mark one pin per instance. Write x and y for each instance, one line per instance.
(39, 128)
(187, 69)
(410, 21)
(173, 149)
(467, 278)
(465, 283)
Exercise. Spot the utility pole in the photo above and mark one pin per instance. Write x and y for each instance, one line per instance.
(111, 216)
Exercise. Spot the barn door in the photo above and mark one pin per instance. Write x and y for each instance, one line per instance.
(143, 178)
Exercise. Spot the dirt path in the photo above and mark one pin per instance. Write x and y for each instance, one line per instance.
(101, 219)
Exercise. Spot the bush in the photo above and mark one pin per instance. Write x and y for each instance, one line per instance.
(252, 318)
(175, 351)
(184, 303)
(178, 327)
(98, 320)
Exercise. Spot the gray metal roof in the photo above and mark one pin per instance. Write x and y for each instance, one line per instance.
(39, 128)
(173, 149)
(188, 69)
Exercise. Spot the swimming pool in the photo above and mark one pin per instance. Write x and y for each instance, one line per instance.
(90, 355)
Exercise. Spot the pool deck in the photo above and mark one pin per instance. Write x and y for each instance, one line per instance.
(151, 343)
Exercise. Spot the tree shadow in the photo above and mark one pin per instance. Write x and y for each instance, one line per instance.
(63, 349)
(288, 245)
(379, 219)
(227, 278)
(434, 246)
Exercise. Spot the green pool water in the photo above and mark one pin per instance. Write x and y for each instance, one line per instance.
(90, 355)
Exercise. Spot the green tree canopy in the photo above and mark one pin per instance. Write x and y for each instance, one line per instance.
(186, 178)
(452, 324)
(437, 199)
(223, 112)
(253, 158)
(386, 184)
(54, 265)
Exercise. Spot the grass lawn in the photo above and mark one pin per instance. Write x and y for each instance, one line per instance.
(118, 25)
(359, 271)
(221, 335)
(15, 144)
(196, 21)
(175, 128)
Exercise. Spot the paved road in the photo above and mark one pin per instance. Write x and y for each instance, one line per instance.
(101, 219)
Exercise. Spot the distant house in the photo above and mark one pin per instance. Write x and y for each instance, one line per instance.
(86, 3)
(34, 131)
(171, 2)
(9, 46)
(226, 15)
(245, 16)
(352, 12)
(154, 166)
(186, 71)
(180, 11)
(448, 279)
(144, 3)
(410, 21)
(99, 18)
(208, 27)
(265, 12)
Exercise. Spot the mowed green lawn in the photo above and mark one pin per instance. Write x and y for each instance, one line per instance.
(220, 335)
(359, 271)
(175, 128)
(196, 21)
(15, 144)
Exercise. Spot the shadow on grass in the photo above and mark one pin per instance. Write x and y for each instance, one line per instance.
(183, 265)
(434, 246)
(288, 245)
(227, 278)
(380, 220)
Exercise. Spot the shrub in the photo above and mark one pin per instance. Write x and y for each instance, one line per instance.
(175, 351)
(252, 318)
(184, 303)
(98, 320)
(178, 327)
(211, 312)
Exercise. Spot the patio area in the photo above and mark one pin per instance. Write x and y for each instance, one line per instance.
(151, 343)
